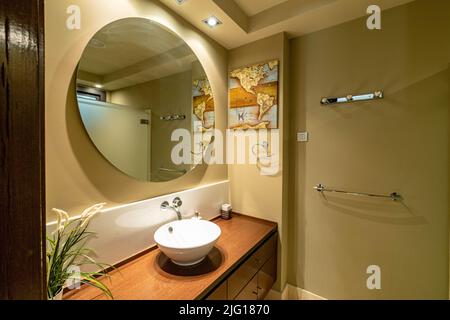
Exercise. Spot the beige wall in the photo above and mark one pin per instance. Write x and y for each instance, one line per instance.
(399, 144)
(77, 175)
(252, 193)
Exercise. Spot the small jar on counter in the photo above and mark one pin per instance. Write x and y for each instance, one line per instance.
(226, 211)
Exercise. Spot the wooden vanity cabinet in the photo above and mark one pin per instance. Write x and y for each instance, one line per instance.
(254, 278)
(220, 293)
(243, 266)
(260, 285)
(266, 277)
(250, 291)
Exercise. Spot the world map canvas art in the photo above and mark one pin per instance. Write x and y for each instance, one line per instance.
(203, 105)
(253, 97)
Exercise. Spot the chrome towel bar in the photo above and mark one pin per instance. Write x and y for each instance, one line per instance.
(353, 98)
(183, 171)
(393, 196)
(173, 117)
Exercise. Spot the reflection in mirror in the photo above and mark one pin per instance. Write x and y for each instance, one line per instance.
(136, 83)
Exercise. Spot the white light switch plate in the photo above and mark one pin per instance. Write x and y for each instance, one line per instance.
(302, 136)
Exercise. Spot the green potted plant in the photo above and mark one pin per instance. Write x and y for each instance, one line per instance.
(67, 252)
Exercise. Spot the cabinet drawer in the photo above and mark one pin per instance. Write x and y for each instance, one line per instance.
(250, 291)
(250, 267)
(220, 293)
(266, 251)
(241, 277)
(266, 277)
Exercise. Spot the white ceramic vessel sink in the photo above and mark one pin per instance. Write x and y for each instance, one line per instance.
(187, 242)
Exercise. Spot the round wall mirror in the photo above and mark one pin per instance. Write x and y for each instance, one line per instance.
(138, 82)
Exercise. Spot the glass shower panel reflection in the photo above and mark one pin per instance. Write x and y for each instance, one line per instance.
(121, 134)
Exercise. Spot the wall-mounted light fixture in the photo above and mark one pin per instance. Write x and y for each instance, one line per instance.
(212, 22)
(98, 86)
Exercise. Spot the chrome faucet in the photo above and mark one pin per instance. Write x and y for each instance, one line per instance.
(176, 204)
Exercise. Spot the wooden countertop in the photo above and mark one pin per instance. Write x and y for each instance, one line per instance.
(153, 276)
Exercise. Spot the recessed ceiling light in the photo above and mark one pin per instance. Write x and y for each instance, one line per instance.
(99, 86)
(212, 22)
(180, 1)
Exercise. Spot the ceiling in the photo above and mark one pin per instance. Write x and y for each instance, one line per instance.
(252, 7)
(245, 21)
(131, 51)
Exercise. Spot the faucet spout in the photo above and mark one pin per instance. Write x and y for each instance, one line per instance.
(177, 211)
(175, 207)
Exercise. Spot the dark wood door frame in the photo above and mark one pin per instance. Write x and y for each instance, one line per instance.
(22, 160)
